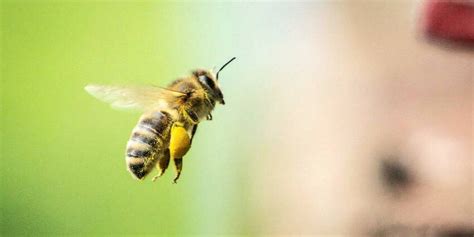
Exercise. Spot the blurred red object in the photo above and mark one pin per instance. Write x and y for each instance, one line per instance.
(450, 20)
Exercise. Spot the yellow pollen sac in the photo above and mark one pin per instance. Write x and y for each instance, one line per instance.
(180, 142)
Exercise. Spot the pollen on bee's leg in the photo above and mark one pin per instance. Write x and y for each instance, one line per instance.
(180, 142)
(178, 163)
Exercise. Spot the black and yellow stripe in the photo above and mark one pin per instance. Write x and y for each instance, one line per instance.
(149, 139)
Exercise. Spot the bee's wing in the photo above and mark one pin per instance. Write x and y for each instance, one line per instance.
(134, 97)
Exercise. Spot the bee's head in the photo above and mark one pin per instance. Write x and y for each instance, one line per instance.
(209, 81)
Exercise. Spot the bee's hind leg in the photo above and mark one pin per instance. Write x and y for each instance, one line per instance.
(180, 143)
(162, 164)
(178, 163)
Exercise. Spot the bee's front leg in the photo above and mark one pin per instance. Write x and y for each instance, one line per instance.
(192, 116)
(209, 116)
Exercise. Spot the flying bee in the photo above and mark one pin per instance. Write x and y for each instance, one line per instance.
(170, 118)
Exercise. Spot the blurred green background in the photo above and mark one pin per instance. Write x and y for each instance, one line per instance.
(63, 169)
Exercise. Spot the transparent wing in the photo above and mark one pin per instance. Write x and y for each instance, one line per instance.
(134, 97)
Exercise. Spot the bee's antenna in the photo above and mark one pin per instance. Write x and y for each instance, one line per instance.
(217, 75)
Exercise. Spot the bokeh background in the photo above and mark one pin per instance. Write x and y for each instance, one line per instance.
(322, 95)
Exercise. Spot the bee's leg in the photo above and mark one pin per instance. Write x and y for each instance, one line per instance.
(178, 164)
(195, 127)
(192, 116)
(209, 116)
(162, 164)
(180, 143)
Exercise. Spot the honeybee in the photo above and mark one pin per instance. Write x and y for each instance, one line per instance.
(170, 118)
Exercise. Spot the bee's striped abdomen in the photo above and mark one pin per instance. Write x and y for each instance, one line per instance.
(149, 139)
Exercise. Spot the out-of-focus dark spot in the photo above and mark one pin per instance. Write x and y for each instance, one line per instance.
(395, 175)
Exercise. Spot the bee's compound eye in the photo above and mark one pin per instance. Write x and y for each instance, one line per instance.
(207, 81)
